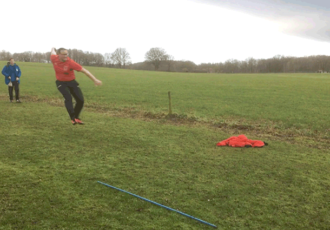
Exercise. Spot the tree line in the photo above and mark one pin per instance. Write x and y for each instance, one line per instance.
(157, 59)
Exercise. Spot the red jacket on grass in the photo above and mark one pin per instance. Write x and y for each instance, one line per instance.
(241, 141)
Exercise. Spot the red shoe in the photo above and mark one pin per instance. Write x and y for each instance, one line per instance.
(78, 121)
(73, 122)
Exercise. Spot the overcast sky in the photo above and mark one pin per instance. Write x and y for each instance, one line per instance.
(197, 30)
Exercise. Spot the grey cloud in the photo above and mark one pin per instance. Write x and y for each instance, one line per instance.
(308, 18)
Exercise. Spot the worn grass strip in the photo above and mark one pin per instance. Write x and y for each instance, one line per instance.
(262, 128)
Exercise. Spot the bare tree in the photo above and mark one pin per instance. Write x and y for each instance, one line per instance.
(27, 56)
(120, 57)
(38, 57)
(185, 66)
(251, 64)
(156, 56)
(231, 66)
(99, 59)
(17, 56)
(47, 57)
(107, 59)
(169, 59)
(322, 63)
(5, 55)
(75, 55)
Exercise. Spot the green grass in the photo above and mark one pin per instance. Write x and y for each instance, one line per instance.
(49, 168)
(294, 100)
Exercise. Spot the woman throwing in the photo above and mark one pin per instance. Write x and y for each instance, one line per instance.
(64, 69)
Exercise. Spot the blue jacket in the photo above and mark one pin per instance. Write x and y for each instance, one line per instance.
(13, 71)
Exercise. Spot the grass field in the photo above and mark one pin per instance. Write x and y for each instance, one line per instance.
(49, 169)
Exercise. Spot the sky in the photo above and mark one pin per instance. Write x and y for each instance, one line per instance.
(202, 31)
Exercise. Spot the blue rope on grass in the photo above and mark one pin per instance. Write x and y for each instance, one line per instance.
(202, 221)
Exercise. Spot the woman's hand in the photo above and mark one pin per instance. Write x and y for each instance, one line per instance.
(97, 82)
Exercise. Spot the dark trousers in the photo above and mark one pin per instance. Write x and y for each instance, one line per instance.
(11, 88)
(68, 88)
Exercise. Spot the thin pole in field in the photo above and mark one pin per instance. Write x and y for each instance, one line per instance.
(170, 103)
(153, 202)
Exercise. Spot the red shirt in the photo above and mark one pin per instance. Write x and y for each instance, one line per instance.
(65, 70)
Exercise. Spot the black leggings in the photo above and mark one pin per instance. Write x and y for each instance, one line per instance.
(11, 88)
(68, 88)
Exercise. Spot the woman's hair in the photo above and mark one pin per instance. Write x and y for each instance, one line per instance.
(8, 63)
(58, 51)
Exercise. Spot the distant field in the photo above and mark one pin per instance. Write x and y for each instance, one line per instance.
(292, 100)
(49, 169)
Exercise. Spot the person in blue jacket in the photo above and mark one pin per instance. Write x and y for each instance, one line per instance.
(12, 74)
